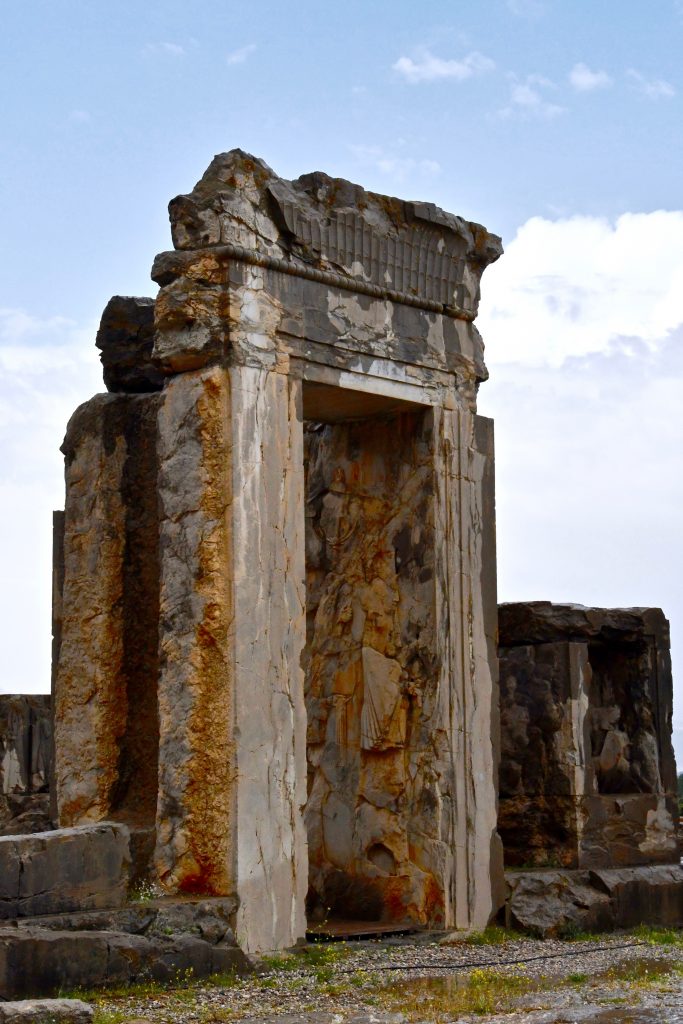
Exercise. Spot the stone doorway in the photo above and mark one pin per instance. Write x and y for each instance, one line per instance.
(290, 315)
(369, 665)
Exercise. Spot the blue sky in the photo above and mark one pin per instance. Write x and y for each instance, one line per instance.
(557, 123)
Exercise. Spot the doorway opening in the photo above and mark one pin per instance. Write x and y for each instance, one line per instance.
(370, 677)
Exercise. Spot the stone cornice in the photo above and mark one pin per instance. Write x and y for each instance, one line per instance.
(298, 269)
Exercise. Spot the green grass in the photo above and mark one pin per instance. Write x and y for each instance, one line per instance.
(494, 935)
(479, 991)
(659, 936)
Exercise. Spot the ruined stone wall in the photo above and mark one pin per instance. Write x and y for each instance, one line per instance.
(587, 775)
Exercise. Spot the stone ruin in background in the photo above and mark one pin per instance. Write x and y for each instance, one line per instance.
(275, 672)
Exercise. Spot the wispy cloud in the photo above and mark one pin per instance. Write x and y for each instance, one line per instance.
(394, 165)
(241, 55)
(527, 99)
(653, 88)
(526, 8)
(80, 116)
(426, 67)
(169, 49)
(582, 79)
(48, 365)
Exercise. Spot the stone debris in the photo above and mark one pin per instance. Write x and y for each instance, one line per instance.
(43, 961)
(46, 1011)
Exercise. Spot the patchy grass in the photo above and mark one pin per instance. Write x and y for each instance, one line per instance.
(440, 999)
(493, 935)
(578, 978)
(659, 936)
(180, 990)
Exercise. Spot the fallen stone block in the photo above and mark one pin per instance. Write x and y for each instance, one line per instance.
(67, 869)
(46, 1011)
(556, 903)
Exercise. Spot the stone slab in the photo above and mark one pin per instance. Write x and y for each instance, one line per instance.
(37, 961)
(644, 895)
(208, 919)
(45, 1011)
(67, 869)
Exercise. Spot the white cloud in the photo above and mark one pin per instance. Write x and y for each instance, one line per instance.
(393, 165)
(527, 99)
(583, 79)
(241, 55)
(589, 488)
(47, 367)
(79, 116)
(428, 68)
(570, 287)
(653, 88)
(583, 324)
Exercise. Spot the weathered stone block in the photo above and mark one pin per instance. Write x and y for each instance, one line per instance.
(643, 895)
(45, 1011)
(39, 961)
(67, 869)
(126, 339)
(553, 903)
(106, 718)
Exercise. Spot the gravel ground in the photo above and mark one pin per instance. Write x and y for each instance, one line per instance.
(366, 982)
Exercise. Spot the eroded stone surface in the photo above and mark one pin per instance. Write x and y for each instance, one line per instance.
(106, 730)
(587, 774)
(126, 339)
(25, 763)
(556, 902)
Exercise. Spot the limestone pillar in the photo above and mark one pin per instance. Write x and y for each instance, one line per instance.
(232, 720)
(107, 615)
(466, 624)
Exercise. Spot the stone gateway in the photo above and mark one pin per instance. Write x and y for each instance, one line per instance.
(275, 577)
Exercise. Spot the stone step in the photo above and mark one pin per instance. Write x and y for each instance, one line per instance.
(66, 869)
(206, 917)
(37, 961)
